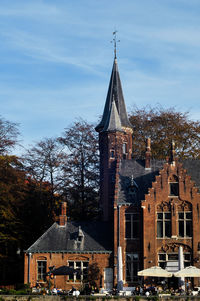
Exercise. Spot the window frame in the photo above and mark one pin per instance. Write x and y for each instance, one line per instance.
(75, 265)
(132, 264)
(163, 262)
(132, 222)
(163, 221)
(43, 270)
(185, 221)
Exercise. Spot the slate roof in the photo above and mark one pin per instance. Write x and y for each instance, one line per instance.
(114, 93)
(193, 169)
(97, 237)
(135, 180)
(113, 122)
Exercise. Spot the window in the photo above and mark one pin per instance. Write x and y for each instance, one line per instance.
(132, 225)
(163, 224)
(82, 267)
(174, 189)
(132, 267)
(41, 270)
(112, 153)
(185, 224)
(169, 260)
(174, 186)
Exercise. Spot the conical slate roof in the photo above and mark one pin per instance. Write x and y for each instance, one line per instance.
(113, 122)
(114, 92)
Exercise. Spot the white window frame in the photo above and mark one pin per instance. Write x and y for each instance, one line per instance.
(43, 270)
(74, 264)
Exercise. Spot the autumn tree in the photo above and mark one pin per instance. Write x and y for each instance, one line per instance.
(11, 195)
(12, 192)
(81, 171)
(163, 126)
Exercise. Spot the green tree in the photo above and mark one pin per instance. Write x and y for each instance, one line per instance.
(163, 126)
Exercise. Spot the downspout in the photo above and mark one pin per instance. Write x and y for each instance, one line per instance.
(119, 225)
(29, 264)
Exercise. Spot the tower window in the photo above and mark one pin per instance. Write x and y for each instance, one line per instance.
(112, 154)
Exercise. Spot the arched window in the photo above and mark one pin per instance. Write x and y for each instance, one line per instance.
(41, 268)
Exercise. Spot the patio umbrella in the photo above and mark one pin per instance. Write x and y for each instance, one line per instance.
(155, 272)
(190, 271)
(64, 270)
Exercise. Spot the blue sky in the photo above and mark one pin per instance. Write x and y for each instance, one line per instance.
(56, 59)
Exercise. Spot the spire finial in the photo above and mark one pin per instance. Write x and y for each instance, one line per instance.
(172, 153)
(114, 41)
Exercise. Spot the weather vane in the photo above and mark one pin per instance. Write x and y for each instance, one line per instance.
(115, 42)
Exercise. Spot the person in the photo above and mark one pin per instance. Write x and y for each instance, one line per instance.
(147, 294)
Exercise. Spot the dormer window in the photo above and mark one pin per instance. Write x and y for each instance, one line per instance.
(173, 186)
(80, 235)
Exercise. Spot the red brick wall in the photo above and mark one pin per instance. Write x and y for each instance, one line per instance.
(158, 199)
(59, 259)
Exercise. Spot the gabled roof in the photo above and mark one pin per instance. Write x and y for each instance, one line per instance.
(96, 237)
(114, 92)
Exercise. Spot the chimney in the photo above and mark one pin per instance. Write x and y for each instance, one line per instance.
(148, 154)
(63, 216)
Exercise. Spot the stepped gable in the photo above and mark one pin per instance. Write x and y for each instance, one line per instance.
(135, 180)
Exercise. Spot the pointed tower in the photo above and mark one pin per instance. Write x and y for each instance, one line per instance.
(115, 141)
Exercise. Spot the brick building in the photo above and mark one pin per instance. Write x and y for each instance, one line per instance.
(150, 208)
